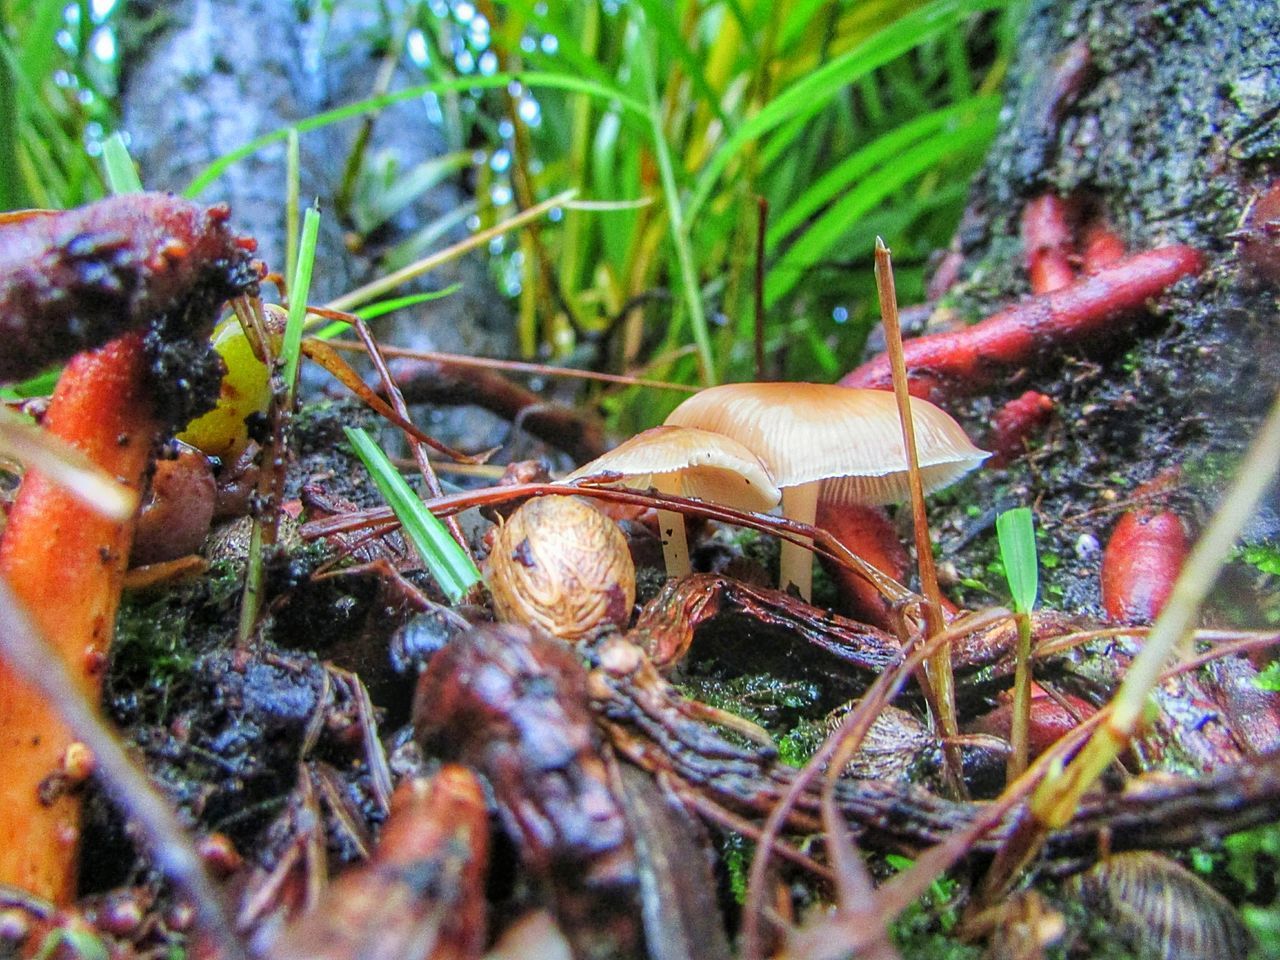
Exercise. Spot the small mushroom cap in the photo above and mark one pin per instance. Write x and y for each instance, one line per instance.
(707, 465)
(851, 439)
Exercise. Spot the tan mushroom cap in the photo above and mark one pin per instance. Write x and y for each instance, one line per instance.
(849, 438)
(702, 463)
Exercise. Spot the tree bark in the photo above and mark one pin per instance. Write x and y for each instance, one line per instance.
(1168, 133)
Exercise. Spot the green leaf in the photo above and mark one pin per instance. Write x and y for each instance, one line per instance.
(290, 351)
(808, 96)
(122, 175)
(1264, 558)
(446, 561)
(1269, 678)
(497, 81)
(1018, 554)
(383, 307)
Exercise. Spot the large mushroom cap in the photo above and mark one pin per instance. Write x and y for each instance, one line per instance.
(849, 438)
(707, 465)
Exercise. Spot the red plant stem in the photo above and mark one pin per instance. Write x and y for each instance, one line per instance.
(65, 564)
(1141, 562)
(1046, 238)
(1015, 423)
(968, 360)
(1100, 247)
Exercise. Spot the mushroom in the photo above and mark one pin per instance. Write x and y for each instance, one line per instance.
(845, 442)
(688, 462)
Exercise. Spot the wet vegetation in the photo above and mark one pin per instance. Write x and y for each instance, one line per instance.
(361, 750)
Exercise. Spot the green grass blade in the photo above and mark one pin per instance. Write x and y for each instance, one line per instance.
(659, 15)
(376, 203)
(447, 562)
(569, 53)
(13, 193)
(497, 81)
(122, 175)
(689, 285)
(383, 307)
(834, 225)
(845, 175)
(1017, 534)
(299, 288)
(39, 40)
(809, 95)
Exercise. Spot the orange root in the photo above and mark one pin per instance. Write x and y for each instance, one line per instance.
(65, 563)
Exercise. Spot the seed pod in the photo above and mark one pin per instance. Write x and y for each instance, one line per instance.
(561, 565)
(1163, 908)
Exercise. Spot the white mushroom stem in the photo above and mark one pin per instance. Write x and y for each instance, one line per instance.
(799, 503)
(675, 545)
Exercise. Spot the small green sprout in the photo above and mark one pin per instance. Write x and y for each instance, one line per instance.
(1017, 535)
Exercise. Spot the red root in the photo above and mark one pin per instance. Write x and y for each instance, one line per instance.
(74, 279)
(1100, 247)
(175, 517)
(867, 532)
(422, 892)
(1142, 560)
(1050, 720)
(1260, 247)
(1046, 237)
(968, 360)
(1014, 424)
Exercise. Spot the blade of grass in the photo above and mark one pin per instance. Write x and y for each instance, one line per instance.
(383, 307)
(380, 286)
(533, 80)
(811, 94)
(452, 569)
(835, 223)
(122, 175)
(1017, 536)
(660, 15)
(689, 285)
(847, 173)
(298, 290)
(39, 39)
(13, 194)
(411, 248)
(372, 208)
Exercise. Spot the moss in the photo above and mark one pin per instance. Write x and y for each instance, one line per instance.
(926, 929)
(161, 632)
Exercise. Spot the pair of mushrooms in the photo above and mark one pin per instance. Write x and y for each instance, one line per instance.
(751, 445)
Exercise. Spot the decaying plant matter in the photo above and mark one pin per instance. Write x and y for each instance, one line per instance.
(592, 783)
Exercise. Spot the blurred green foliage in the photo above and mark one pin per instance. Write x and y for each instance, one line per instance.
(57, 90)
(680, 125)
